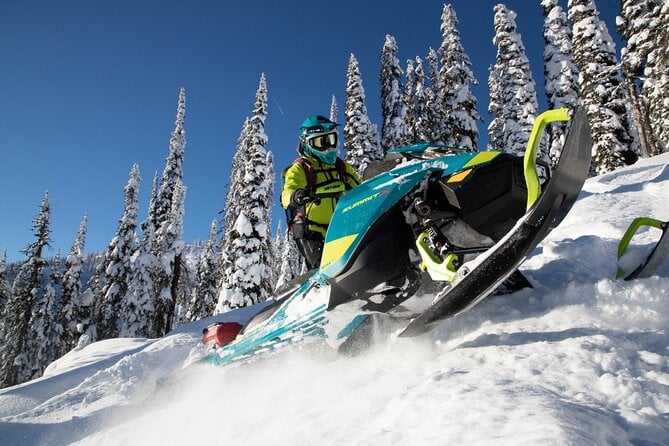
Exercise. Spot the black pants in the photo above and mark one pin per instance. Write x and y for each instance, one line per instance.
(311, 247)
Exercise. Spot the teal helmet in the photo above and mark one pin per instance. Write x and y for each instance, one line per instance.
(318, 138)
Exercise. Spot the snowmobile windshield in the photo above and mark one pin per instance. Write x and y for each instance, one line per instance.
(424, 150)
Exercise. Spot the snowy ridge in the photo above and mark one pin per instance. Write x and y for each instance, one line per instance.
(579, 359)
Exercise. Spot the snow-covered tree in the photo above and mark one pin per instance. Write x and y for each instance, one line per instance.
(26, 289)
(360, 135)
(409, 102)
(116, 263)
(422, 130)
(638, 24)
(334, 109)
(434, 105)
(393, 131)
(655, 90)
(291, 259)
(205, 291)
(560, 72)
(513, 96)
(171, 264)
(603, 90)
(138, 309)
(44, 334)
(72, 312)
(5, 291)
(456, 77)
(169, 225)
(247, 274)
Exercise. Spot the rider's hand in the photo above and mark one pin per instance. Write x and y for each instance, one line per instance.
(299, 197)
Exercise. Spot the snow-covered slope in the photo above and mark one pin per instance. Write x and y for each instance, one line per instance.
(579, 359)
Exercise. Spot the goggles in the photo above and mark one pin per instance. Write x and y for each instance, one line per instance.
(322, 142)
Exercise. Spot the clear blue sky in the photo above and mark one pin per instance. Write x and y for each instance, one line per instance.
(87, 88)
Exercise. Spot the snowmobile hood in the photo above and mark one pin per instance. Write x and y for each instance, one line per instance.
(362, 206)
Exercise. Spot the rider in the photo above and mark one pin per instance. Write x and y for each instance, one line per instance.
(317, 167)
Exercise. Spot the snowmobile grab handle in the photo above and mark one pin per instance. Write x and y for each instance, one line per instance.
(631, 232)
(530, 158)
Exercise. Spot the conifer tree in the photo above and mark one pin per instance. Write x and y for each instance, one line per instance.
(638, 24)
(42, 341)
(655, 90)
(116, 263)
(72, 312)
(392, 93)
(334, 109)
(169, 218)
(513, 97)
(603, 90)
(291, 259)
(4, 287)
(561, 74)
(409, 102)
(171, 291)
(422, 130)
(456, 78)
(25, 290)
(247, 277)
(434, 105)
(362, 143)
(232, 204)
(205, 291)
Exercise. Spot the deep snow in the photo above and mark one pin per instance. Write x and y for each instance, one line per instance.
(579, 359)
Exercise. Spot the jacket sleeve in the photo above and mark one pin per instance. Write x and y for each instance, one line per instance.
(294, 178)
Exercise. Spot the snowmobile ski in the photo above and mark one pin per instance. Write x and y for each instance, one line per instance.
(657, 257)
(480, 277)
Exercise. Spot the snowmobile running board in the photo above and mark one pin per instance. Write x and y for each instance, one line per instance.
(477, 279)
(658, 255)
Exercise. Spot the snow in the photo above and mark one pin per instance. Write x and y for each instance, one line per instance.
(580, 359)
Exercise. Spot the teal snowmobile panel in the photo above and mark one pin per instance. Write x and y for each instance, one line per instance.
(361, 207)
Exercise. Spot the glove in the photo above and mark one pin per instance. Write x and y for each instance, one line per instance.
(299, 197)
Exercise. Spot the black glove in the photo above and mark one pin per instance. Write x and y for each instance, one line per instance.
(299, 197)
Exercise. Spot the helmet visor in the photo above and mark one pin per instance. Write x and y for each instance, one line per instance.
(323, 141)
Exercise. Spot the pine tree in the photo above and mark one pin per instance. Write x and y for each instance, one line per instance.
(116, 263)
(434, 105)
(5, 292)
(655, 91)
(422, 131)
(138, 309)
(25, 291)
(638, 24)
(42, 340)
(205, 291)
(247, 276)
(361, 137)
(561, 74)
(72, 312)
(334, 109)
(410, 105)
(393, 132)
(456, 78)
(232, 205)
(291, 260)
(513, 97)
(169, 217)
(171, 291)
(603, 90)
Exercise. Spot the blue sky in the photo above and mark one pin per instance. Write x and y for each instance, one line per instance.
(90, 87)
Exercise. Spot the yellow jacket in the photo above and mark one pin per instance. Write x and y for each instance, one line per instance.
(317, 214)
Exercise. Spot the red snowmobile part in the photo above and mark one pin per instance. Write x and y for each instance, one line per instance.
(222, 333)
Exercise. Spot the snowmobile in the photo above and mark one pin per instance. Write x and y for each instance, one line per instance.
(658, 255)
(456, 220)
